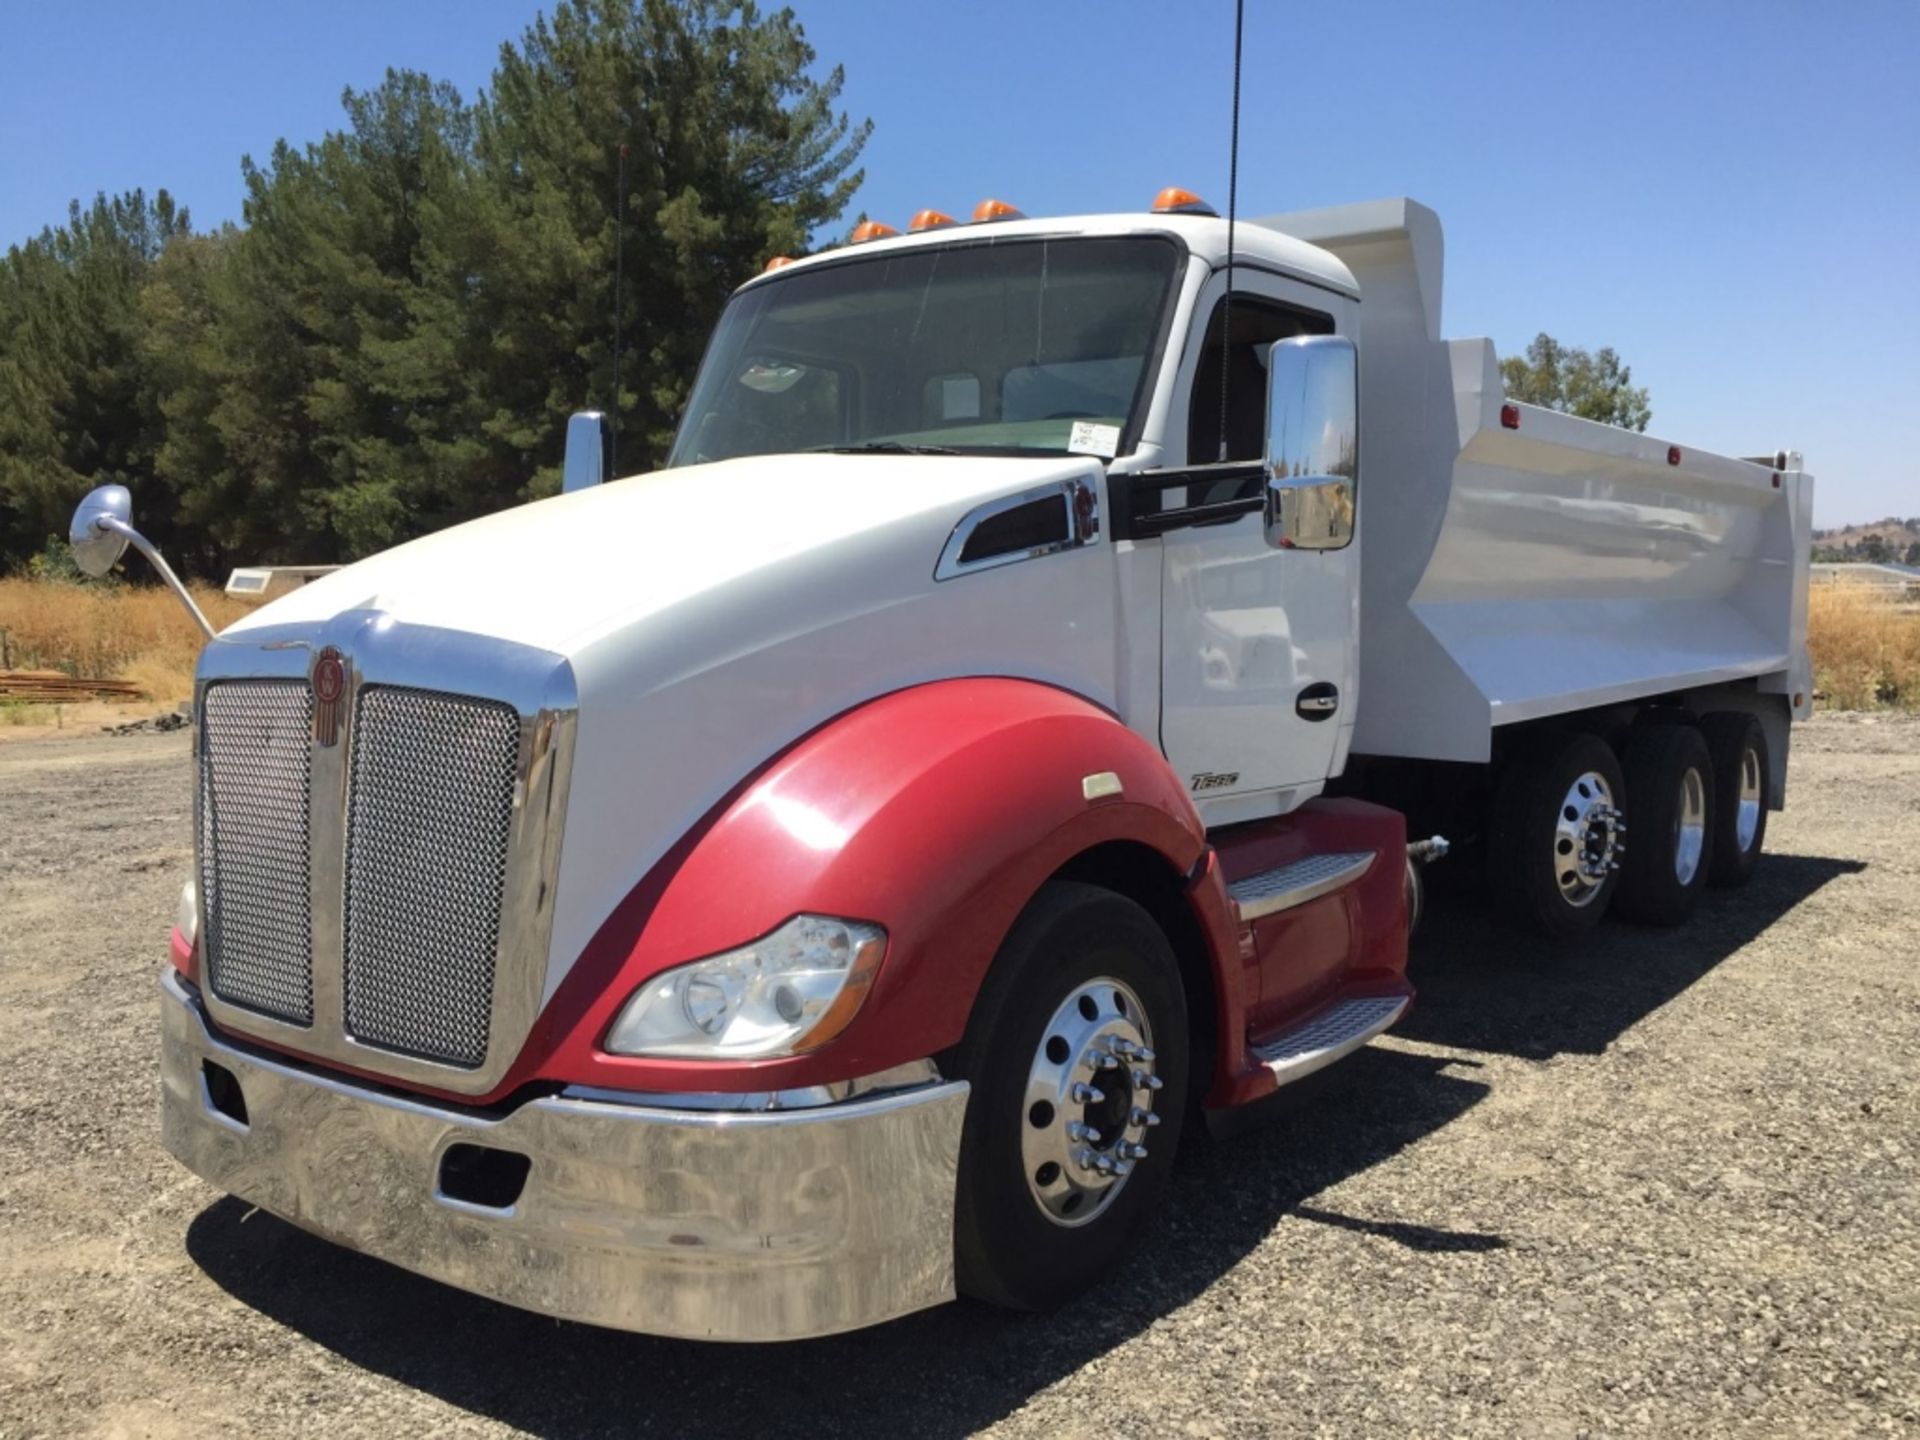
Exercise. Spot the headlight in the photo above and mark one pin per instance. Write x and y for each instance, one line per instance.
(187, 918)
(786, 994)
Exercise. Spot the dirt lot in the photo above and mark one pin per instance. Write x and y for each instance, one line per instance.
(1663, 1182)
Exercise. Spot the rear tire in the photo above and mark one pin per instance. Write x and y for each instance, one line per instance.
(1669, 809)
(1743, 793)
(1083, 970)
(1552, 839)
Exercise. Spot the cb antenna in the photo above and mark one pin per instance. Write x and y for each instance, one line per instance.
(1233, 196)
(619, 312)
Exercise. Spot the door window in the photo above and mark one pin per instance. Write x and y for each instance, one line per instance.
(1256, 324)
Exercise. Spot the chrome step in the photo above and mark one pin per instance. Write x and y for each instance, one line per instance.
(1332, 1034)
(1272, 891)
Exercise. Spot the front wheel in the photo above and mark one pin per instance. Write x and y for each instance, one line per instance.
(1077, 1055)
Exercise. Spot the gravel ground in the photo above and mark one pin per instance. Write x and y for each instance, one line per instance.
(1661, 1182)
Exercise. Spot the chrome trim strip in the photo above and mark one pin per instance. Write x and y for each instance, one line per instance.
(378, 650)
(1081, 499)
(901, 1077)
(725, 1226)
(1287, 886)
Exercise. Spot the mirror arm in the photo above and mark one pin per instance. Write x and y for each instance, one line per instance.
(141, 543)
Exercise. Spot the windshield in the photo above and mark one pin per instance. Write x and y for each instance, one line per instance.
(1014, 348)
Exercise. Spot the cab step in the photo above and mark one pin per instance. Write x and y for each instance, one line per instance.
(1286, 886)
(1328, 1035)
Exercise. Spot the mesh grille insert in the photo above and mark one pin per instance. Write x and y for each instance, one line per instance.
(255, 742)
(431, 808)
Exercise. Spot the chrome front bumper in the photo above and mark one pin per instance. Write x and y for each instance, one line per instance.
(718, 1225)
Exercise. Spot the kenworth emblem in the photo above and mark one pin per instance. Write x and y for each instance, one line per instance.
(329, 690)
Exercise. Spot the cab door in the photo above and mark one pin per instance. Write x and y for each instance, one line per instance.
(1257, 657)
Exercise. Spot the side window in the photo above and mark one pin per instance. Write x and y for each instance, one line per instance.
(1256, 324)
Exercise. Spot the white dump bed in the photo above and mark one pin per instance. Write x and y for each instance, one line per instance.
(1509, 573)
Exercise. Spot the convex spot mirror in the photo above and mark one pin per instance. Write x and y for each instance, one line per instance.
(1313, 442)
(589, 457)
(96, 547)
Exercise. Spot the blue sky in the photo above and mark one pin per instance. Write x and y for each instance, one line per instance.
(1726, 191)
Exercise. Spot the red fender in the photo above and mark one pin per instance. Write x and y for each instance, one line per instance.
(937, 812)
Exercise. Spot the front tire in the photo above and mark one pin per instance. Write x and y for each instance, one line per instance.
(1077, 1054)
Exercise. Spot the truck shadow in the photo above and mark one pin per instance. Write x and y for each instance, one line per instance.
(944, 1372)
(1484, 985)
(956, 1369)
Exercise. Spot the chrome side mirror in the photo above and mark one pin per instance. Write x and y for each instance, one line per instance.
(1313, 442)
(589, 459)
(101, 531)
(97, 548)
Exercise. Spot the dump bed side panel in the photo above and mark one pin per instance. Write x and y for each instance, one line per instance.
(1512, 574)
(1578, 564)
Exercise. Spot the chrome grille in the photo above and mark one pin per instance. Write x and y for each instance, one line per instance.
(428, 822)
(255, 787)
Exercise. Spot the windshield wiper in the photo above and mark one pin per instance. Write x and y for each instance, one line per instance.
(882, 447)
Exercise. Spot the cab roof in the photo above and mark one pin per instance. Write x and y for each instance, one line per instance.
(1205, 237)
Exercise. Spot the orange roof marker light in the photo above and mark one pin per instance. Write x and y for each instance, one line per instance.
(996, 210)
(929, 220)
(871, 230)
(776, 263)
(1175, 201)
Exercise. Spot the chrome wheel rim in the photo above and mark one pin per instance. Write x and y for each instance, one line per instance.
(1089, 1102)
(1589, 838)
(1690, 827)
(1746, 820)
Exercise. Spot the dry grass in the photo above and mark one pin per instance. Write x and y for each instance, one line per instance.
(126, 633)
(1866, 648)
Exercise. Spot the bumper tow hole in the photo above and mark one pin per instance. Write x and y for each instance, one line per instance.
(223, 1093)
(480, 1175)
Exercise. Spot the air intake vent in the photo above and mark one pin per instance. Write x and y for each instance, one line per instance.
(1036, 525)
(428, 821)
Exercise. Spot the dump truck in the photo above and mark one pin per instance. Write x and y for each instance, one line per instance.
(777, 893)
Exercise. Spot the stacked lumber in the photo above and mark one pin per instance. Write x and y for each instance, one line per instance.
(51, 687)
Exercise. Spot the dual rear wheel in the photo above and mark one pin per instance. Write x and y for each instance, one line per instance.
(1578, 829)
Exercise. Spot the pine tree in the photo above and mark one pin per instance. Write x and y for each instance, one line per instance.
(77, 407)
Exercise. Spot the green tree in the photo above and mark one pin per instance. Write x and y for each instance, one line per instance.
(293, 404)
(77, 406)
(1591, 384)
(736, 153)
(394, 338)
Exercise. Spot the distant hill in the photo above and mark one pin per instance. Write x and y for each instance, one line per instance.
(1889, 539)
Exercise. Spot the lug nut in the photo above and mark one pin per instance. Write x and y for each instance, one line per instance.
(1122, 1169)
(1080, 1130)
(1127, 1150)
(1103, 1164)
(1145, 1081)
(1145, 1118)
(1122, 1046)
(1101, 1060)
(1084, 1159)
(1085, 1094)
